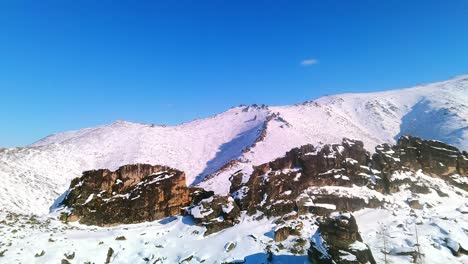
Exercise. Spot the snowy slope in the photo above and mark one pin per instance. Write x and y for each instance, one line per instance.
(34, 176)
(435, 111)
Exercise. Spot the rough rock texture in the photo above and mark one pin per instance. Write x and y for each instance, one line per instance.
(338, 241)
(215, 213)
(301, 181)
(431, 157)
(131, 194)
(290, 228)
(275, 188)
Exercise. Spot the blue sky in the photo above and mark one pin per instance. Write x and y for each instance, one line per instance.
(73, 64)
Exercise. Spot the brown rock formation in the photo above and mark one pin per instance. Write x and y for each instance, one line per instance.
(433, 158)
(279, 187)
(131, 194)
(275, 187)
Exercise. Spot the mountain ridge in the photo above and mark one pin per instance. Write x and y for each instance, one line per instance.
(249, 135)
(321, 98)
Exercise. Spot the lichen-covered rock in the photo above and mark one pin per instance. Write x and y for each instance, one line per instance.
(338, 241)
(131, 194)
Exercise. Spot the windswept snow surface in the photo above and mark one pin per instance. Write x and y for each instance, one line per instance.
(34, 176)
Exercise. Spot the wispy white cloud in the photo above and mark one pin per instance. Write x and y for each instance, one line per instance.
(309, 62)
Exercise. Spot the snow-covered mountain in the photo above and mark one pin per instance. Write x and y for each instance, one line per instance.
(34, 176)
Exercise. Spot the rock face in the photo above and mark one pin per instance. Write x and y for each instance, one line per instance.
(431, 157)
(131, 194)
(314, 180)
(281, 186)
(338, 241)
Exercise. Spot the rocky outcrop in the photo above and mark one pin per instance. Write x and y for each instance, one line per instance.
(277, 188)
(338, 177)
(338, 241)
(215, 213)
(131, 194)
(304, 179)
(413, 154)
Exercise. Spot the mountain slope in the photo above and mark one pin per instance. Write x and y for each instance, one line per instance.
(34, 176)
(308, 205)
(435, 111)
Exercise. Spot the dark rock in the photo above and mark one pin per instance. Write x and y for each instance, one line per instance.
(215, 213)
(434, 158)
(338, 241)
(131, 194)
(70, 256)
(230, 246)
(110, 252)
(197, 195)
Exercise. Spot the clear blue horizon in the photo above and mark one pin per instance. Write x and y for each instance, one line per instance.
(66, 65)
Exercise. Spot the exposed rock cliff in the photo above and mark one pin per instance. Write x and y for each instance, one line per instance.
(320, 181)
(131, 194)
(431, 157)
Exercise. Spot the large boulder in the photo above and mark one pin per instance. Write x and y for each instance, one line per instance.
(131, 194)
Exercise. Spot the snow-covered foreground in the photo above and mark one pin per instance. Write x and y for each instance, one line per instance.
(441, 224)
(33, 177)
(440, 220)
(172, 240)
